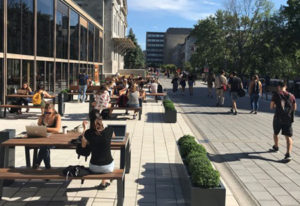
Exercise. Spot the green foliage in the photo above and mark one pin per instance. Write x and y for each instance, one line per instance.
(169, 105)
(202, 173)
(65, 91)
(134, 58)
(169, 67)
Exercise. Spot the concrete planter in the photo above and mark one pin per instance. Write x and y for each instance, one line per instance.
(196, 196)
(170, 116)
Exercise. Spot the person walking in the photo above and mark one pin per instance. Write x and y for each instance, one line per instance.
(285, 106)
(191, 82)
(175, 84)
(210, 83)
(235, 84)
(82, 82)
(255, 92)
(221, 86)
(183, 84)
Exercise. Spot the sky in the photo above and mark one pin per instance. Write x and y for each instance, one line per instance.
(159, 15)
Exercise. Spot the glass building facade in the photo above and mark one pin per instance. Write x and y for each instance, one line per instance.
(47, 42)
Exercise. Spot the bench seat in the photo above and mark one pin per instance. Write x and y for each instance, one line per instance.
(156, 95)
(17, 106)
(128, 108)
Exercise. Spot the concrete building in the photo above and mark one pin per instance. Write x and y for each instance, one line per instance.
(189, 47)
(174, 37)
(112, 14)
(178, 54)
(155, 48)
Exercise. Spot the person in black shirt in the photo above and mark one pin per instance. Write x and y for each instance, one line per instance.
(235, 84)
(99, 140)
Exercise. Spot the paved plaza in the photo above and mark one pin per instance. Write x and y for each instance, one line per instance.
(242, 144)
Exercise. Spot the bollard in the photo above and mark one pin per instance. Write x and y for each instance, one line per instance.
(92, 99)
(61, 104)
(7, 157)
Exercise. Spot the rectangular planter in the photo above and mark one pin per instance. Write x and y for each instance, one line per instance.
(170, 116)
(196, 196)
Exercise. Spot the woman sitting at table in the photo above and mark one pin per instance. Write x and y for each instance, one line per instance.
(133, 99)
(26, 90)
(38, 97)
(99, 140)
(52, 120)
(102, 99)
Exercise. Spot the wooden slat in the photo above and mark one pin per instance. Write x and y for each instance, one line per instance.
(23, 173)
(124, 108)
(156, 94)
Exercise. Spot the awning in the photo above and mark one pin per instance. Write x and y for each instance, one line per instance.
(123, 44)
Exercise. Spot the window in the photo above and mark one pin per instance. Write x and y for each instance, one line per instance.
(20, 26)
(74, 38)
(101, 47)
(13, 75)
(91, 42)
(83, 38)
(1, 35)
(40, 70)
(97, 44)
(27, 72)
(62, 24)
(61, 76)
(49, 80)
(45, 28)
(74, 72)
(1, 80)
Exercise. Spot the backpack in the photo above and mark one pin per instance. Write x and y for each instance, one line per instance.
(122, 101)
(286, 113)
(105, 114)
(37, 98)
(79, 149)
(159, 89)
(76, 171)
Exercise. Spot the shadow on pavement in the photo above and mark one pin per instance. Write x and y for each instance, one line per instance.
(154, 117)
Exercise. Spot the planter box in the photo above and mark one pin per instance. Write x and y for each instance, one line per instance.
(196, 196)
(170, 116)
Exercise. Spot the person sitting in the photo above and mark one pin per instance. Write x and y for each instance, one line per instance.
(99, 140)
(102, 99)
(153, 86)
(26, 90)
(38, 97)
(133, 99)
(52, 120)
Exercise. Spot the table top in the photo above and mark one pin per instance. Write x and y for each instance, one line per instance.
(57, 140)
(26, 96)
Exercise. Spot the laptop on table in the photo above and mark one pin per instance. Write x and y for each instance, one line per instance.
(119, 130)
(36, 131)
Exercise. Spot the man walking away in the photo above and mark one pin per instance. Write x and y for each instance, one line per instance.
(285, 106)
(220, 85)
(255, 92)
(82, 82)
(235, 84)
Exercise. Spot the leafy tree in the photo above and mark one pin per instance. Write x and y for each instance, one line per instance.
(134, 58)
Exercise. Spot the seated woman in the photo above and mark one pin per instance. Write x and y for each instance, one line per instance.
(99, 140)
(52, 120)
(102, 99)
(40, 93)
(27, 90)
(133, 99)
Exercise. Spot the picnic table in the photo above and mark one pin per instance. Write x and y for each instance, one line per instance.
(63, 141)
(29, 96)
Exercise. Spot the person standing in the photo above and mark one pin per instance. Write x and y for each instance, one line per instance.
(235, 84)
(221, 86)
(210, 83)
(82, 82)
(183, 83)
(191, 82)
(255, 92)
(285, 106)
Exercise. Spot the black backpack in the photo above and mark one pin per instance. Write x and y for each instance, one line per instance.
(76, 171)
(286, 112)
(159, 89)
(105, 114)
(79, 149)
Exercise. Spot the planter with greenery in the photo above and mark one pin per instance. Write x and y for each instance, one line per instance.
(200, 182)
(170, 115)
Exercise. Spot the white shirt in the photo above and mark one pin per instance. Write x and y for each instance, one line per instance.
(153, 88)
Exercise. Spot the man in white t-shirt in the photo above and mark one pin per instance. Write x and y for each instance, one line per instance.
(153, 87)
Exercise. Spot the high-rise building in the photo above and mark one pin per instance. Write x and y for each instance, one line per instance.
(155, 48)
(112, 14)
(47, 42)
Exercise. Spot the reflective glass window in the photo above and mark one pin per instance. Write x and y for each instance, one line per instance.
(45, 28)
(27, 73)
(1, 28)
(91, 42)
(101, 49)
(49, 80)
(27, 40)
(13, 75)
(97, 44)
(74, 72)
(14, 26)
(1, 80)
(62, 24)
(74, 38)
(83, 39)
(41, 73)
(61, 76)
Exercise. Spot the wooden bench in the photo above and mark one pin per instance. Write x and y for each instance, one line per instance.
(127, 108)
(17, 106)
(56, 174)
(74, 90)
(156, 95)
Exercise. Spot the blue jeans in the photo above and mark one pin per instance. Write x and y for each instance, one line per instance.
(44, 154)
(254, 102)
(82, 91)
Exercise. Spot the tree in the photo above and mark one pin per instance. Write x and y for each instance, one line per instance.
(134, 58)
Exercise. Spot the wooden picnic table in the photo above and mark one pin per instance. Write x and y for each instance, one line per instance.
(29, 96)
(63, 141)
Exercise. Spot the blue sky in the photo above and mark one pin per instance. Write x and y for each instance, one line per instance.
(158, 15)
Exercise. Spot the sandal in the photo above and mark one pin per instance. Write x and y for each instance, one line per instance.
(102, 187)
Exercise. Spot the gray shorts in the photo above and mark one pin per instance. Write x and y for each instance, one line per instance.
(102, 169)
(234, 96)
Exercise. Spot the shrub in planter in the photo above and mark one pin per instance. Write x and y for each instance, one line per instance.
(184, 138)
(169, 105)
(194, 154)
(205, 177)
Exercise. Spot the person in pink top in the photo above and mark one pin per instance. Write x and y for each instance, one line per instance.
(102, 99)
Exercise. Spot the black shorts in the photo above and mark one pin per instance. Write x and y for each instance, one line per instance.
(286, 128)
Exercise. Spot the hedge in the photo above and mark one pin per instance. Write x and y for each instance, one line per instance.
(198, 165)
(169, 105)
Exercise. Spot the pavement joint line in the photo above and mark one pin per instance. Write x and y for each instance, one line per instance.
(243, 197)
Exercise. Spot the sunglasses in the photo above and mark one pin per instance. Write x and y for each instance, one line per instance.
(47, 112)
